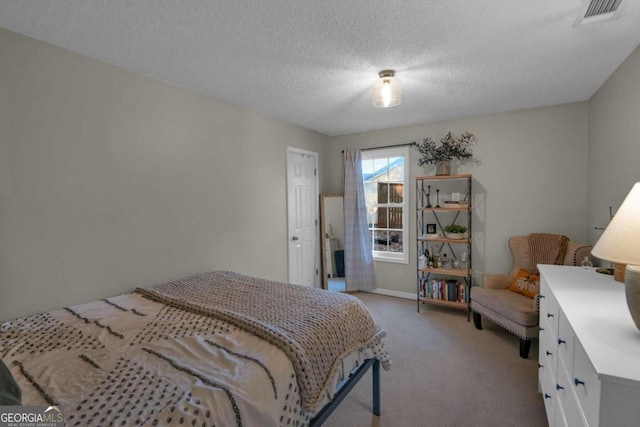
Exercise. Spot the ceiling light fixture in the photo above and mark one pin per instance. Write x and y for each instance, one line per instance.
(386, 91)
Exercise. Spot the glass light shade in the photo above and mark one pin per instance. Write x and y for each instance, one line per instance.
(386, 91)
(620, 241)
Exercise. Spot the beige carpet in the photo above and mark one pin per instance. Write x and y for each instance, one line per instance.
(445, 373)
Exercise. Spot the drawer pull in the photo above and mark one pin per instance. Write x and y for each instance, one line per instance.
(561, 341)
(540, 328)
(546, 396)
(559, 387)
(549, 315)
(577, 382)
(542, 366)
(541, 296)
(549, 353)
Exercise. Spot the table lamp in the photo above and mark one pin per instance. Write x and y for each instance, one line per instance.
(620, 243)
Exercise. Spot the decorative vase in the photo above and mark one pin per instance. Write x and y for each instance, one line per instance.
(443, 167)
(632, 291)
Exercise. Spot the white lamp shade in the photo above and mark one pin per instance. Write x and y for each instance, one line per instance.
(386, 92)
(620, 241)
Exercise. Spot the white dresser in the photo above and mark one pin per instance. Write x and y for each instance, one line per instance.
(589, 350)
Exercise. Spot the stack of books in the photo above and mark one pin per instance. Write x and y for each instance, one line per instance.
(446, 290)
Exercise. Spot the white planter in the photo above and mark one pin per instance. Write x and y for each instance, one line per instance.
(454, 236)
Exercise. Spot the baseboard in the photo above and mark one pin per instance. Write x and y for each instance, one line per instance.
(397, 294)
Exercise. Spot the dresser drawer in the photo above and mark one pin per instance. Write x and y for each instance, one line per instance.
(549, 314)
(559, 419)
(565, 341)
(567, 398)
(548, 390)
(546, 344)
(548, 351)
(586, 384)
(544, 299)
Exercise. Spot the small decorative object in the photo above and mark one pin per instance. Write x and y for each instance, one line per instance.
(586, 263)
(450, 148)
(438, 198)
(619, 244)
(428, 196)
(610, 270)
(431, 229)
(605, 270)
(422, 262)
(445, 262)
(454, 231)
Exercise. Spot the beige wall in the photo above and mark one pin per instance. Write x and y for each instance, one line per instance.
(111, 180)
(532, 178)
(614, 143)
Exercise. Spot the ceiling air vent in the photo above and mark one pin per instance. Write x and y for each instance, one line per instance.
(593, 11)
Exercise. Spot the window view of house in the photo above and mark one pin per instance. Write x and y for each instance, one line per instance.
(384, 174)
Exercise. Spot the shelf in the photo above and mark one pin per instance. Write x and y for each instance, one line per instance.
(445, 209)
(460, 176)
(453, 304)
(445, 240)
(454, 272)
(436, 219)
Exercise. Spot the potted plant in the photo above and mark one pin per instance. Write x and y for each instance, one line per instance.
(450, 148)
(454, 231)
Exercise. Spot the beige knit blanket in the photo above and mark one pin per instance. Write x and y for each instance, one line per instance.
(546, 248)
(313, 327)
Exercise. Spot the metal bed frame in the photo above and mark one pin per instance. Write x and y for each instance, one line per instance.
(345, 386)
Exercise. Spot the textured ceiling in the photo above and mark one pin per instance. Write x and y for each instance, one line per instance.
(312, 62)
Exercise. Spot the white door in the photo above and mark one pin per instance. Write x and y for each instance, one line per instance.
(302, 196)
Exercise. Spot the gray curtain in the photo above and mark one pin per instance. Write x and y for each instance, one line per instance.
(358, 256)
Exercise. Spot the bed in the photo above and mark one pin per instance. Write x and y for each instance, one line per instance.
(219, 348)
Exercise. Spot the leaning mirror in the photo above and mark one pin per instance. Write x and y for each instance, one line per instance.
(332, 241)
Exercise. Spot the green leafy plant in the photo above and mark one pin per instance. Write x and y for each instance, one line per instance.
(449, 148)
(454, 228)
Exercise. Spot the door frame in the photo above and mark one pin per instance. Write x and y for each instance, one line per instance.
(314, 154)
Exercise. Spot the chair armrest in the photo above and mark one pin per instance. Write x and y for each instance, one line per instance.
(497, 281)
(576, 252)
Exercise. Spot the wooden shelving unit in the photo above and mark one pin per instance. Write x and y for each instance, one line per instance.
(448, 286)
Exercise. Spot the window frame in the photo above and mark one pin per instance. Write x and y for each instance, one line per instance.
(386, 256)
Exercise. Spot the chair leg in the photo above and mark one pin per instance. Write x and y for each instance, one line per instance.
(477, 320)
(525, 346)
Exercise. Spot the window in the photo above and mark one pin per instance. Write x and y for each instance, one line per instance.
(384, 173)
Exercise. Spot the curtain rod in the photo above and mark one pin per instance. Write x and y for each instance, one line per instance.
(388, 146)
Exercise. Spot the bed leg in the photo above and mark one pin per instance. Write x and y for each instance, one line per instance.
(376, 387)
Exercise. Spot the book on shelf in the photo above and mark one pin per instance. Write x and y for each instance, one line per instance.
(452, 290)
(423, 288)
(434, 290)
(462, 293)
